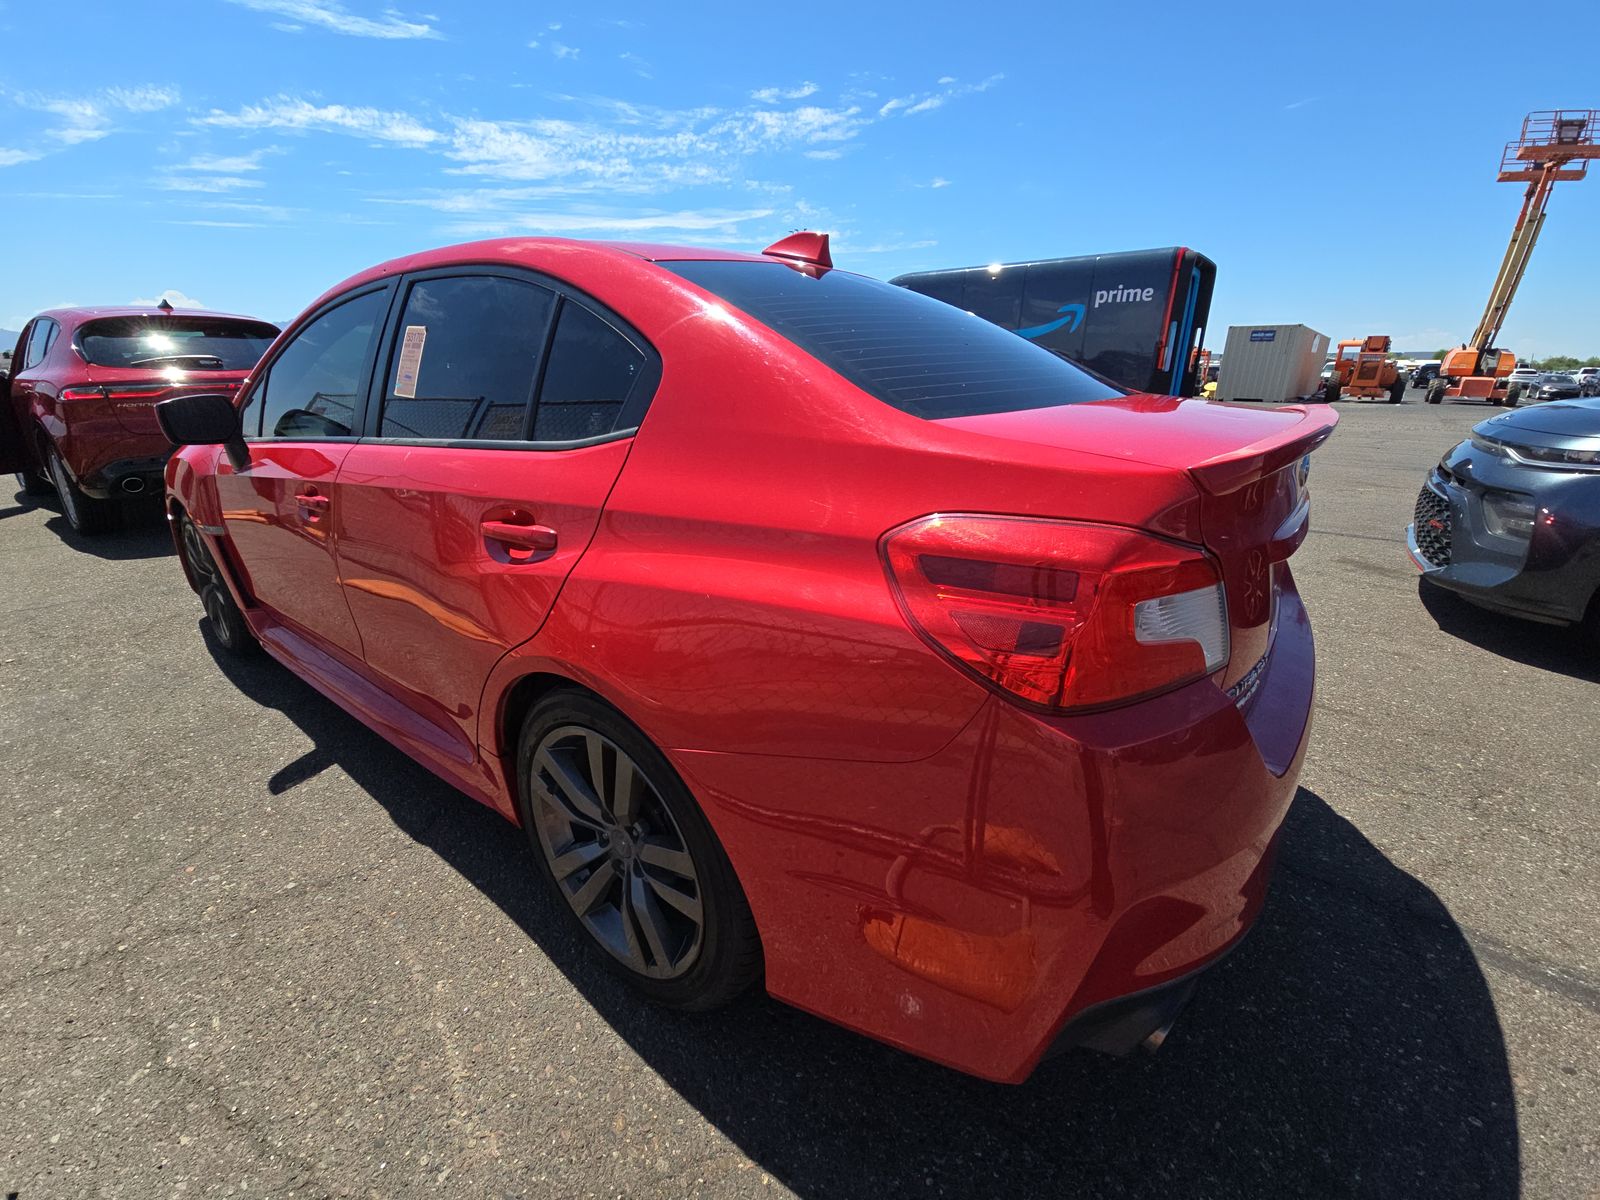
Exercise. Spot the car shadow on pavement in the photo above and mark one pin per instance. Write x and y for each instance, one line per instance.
(141, 531)
(1546, 647)
(1349, 1047)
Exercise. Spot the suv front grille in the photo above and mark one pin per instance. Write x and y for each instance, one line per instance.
(1432, 523)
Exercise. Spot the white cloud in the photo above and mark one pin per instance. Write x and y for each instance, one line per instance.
(567, 221)
(172, 296)
(233, 164)
(284, 112)
(921, 102)
(10, 157)
(938, 181)
(771, 95)
(90, 117)
(207, 183)
(331, 15)
(611, 146)
(561, 50)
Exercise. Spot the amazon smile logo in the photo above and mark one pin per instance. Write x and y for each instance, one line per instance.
(1072, 318)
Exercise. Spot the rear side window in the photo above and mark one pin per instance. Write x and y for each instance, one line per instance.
(465, 359)
(310, 390)
(915, 353)
(193, 343)
(592, 370)
(39, 342)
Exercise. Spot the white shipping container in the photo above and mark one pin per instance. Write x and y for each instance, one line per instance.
(1271, 363)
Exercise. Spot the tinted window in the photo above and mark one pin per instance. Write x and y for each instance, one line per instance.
(39, 339)
(310, 390)
(919, 355)
(592, 369)
(465, 359)
(195, 343)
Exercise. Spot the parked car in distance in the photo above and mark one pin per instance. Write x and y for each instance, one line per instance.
(1553, 385)
(1510, 518)
(1425, 373)
(80, 418)
(1589, 380)
(815, 631)
(1518, 382)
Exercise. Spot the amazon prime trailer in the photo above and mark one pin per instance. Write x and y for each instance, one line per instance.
(1138, 318)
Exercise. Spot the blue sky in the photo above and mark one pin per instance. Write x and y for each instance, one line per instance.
(247, 154)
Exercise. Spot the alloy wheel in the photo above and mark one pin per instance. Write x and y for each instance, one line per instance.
(616, 852)
(194, 550)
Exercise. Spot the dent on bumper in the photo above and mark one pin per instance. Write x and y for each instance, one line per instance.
(967, 906)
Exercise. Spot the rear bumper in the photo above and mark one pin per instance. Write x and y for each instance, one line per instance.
(1038, 883)
(125, 477)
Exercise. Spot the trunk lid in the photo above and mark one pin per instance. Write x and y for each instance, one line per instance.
(1249, 467)
(133, 394)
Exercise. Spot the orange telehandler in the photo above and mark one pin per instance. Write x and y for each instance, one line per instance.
(1555, 146)
(1364, 368)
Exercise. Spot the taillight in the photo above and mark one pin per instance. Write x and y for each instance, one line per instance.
(1061, 614)
(83, 393)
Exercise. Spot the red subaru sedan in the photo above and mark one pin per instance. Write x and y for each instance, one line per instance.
(817, 633)
(84, 386)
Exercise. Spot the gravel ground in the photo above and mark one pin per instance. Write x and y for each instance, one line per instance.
(249, 949)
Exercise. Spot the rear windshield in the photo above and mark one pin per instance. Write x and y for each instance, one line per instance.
(918, 354)
(194, 343)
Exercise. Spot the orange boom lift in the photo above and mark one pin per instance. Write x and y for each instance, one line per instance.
(1555, 146)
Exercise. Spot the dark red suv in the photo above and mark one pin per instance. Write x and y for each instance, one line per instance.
(817, 633)
(84, 385)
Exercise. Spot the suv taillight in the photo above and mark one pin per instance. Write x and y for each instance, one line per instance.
(1061, 614)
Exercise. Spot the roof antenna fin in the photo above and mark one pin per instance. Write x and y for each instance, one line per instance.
(805, 247)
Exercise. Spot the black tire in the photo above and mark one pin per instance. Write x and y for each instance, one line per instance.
(1397, 391)
(613, 866)
(34, 484)
(87, 515)
(1435, 392)
(1331, 391)
(1589, 629)
(1513, 394)
(224, 621)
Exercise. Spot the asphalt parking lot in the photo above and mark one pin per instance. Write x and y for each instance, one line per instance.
(249, 949)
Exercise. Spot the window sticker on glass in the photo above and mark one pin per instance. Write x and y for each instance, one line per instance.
(405, 379)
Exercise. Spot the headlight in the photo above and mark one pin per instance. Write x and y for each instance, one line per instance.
(1487, 446)
(1507, 515)
(1560, 458)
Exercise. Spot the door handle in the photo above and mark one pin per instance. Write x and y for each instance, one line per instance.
(313, 504)
(522, 541)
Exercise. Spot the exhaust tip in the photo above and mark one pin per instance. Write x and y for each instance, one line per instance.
(132, 485)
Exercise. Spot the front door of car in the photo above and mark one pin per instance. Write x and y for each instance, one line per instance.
(299, 421)
(499, 423)
(20, 393)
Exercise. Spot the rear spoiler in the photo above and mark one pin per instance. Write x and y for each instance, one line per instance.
(1235, 469)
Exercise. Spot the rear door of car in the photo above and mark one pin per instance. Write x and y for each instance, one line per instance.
(499, 417)
(301, 417)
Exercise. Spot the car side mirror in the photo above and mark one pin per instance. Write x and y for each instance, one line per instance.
(207, 419)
